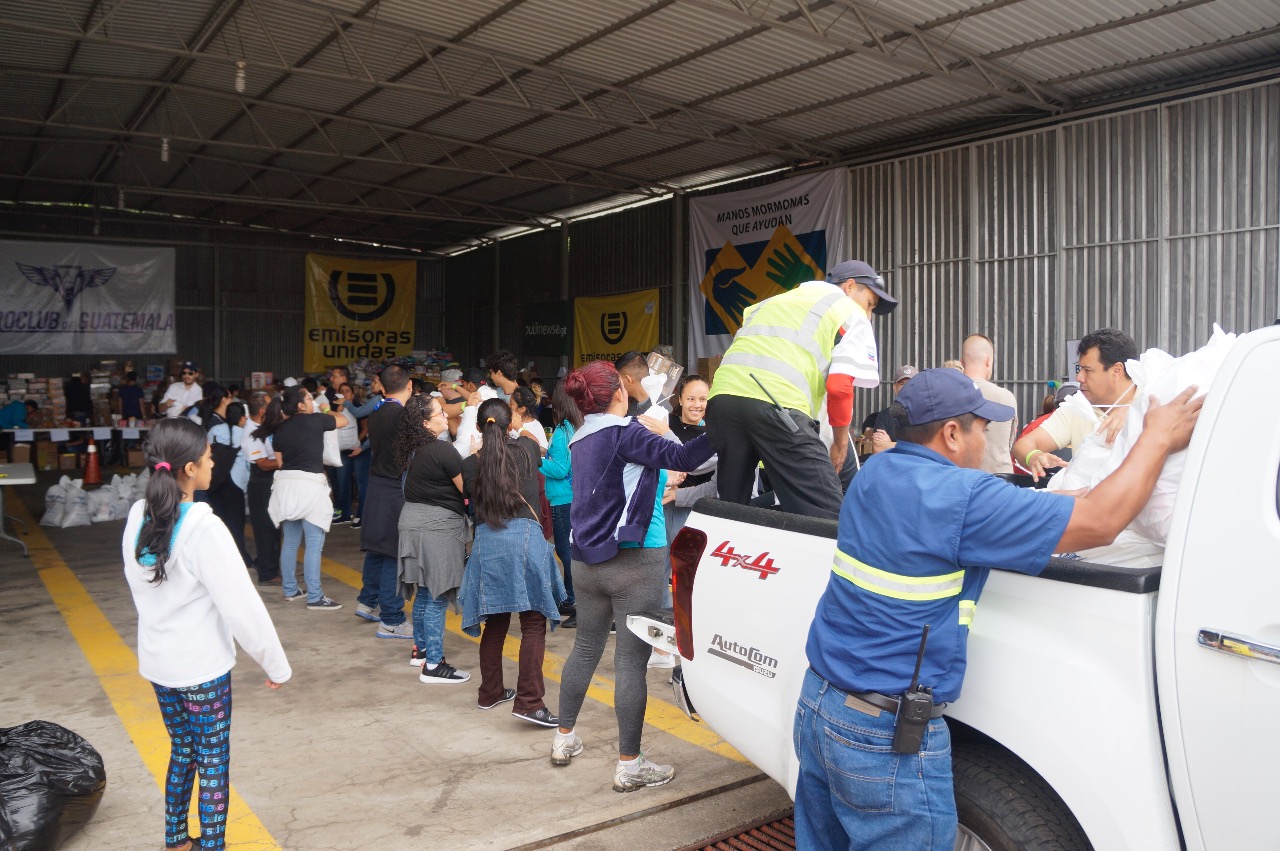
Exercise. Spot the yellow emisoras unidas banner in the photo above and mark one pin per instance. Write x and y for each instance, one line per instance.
(358, 308)
(606, 327)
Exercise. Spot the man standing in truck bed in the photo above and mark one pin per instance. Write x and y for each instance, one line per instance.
(791, 350)
(864, 783)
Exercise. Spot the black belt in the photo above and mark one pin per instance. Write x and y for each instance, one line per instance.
(889, 704)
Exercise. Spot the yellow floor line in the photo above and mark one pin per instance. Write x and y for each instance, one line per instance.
(132, 697)
(658, 713)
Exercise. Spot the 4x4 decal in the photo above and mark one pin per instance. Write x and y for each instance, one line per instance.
(762, 563)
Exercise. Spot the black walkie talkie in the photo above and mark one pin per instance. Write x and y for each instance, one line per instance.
(914, 708)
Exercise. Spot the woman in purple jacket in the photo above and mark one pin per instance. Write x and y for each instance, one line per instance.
(619, 555)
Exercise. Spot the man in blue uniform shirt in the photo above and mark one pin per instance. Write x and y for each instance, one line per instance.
(920, 529)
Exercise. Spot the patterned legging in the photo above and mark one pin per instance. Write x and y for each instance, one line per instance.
(198, 719)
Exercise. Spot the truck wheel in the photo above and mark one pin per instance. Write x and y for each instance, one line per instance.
(1003, 805)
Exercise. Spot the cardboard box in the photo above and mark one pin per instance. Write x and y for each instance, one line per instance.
(22, 453)
(136, 458)
(707, 367)
(68, 461)
(46, 455)
(4, 457)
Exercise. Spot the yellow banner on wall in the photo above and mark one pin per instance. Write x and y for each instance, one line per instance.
(358, 309)
(608, 327)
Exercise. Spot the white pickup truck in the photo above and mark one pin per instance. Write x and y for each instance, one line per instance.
(1113, 708)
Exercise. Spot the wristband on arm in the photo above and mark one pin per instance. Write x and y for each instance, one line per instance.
(1026, 462)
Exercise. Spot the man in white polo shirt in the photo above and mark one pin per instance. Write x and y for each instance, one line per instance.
(182, 394)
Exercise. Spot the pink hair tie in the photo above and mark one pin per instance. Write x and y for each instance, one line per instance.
(164, 465)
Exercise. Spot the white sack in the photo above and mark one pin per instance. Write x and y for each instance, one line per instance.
(77, 508)
(55, 503)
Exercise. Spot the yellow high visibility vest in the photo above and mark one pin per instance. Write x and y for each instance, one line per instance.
(786, 342)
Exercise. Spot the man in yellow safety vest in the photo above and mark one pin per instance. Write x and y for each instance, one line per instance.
(791, 350)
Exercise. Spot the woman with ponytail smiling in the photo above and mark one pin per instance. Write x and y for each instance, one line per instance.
(620, 563)
(192, 595)
(512, 567)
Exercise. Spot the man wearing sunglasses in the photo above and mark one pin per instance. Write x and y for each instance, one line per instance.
(182, 394)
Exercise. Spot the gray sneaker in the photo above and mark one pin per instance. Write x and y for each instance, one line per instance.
(400, 630)
(629, 778)
(369, 613)
(564, 751)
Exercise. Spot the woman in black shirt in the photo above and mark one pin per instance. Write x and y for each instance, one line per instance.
(512, 567)
(433, 532)
(300, 501)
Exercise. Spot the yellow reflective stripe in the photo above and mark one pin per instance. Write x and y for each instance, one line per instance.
(967, 608)
(899, 586)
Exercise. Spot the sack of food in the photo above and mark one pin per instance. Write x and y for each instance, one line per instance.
(55, 502)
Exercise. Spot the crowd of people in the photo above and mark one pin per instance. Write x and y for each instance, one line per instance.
(484, 493)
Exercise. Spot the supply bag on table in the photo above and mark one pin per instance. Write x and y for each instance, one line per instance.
(51, 781)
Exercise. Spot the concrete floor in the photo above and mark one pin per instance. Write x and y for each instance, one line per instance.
(353, 752)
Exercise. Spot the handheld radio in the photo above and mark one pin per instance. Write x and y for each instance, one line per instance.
(787, 422)
(914, 708)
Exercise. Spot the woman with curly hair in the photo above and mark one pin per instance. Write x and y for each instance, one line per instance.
(433, 532)
(512, 567)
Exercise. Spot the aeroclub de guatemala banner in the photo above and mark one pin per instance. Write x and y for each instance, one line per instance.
(608, 327)
(358, 309)
(72, 298)
(747, 246)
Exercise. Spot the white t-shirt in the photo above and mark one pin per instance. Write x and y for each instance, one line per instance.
(252, 448)
(534, 429)
(1069, 425)
(855, 353)
(183, 396)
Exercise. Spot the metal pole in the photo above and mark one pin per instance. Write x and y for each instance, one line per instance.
(497, 290)
(564, 278)
(217, 320)
(679, 284)
(444, 323)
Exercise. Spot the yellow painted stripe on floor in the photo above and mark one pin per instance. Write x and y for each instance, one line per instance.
(658, 713)
(131, 696)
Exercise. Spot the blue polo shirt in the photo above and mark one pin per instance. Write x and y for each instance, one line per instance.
(917, 537)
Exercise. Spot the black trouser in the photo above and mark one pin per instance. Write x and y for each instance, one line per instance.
(227, 503)
(266, 537)
(745, 432)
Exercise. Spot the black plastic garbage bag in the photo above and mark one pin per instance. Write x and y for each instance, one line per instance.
(51, 781)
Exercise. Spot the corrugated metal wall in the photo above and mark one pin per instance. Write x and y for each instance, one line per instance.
(1159, 221)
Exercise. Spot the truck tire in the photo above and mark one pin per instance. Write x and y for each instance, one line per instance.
(1006, 806)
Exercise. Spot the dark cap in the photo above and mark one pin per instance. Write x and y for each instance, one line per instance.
(869, 278)
(189, 365)
(475, 375)
(905, 373)
(939, 394)
(1069, 388)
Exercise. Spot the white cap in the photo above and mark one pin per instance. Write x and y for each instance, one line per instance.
(291, 382)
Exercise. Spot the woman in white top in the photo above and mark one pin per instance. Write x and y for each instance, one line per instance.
(524, 413)
(192, 597)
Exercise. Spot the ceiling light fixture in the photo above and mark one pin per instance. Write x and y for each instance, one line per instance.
(240, 76)
(119, 197)
(164, 149)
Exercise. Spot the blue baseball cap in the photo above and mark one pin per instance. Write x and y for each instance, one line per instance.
(863, 273)
(939, 394)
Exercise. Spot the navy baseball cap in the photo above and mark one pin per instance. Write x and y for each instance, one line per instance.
(869, 278)
(939, 394)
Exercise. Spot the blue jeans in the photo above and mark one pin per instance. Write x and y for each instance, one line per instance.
(381, 587)
(291, 535)
(855, 791)
(428, 625)
(560, 526)
(343, 481)
(360, 467)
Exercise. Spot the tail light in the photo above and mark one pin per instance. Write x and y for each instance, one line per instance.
(686, 552)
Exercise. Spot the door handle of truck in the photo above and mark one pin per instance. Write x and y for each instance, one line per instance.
(1238, 646)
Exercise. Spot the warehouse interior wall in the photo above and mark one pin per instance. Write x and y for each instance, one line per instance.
(1159, 221)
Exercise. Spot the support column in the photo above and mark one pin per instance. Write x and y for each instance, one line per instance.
(564, 279)
(497, 291)
(217, 319)
(679, 283)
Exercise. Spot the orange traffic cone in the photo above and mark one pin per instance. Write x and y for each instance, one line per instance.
(92, 472)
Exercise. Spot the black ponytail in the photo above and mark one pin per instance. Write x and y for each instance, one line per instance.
(500, 467)
(272, 419)
(523, 397)
(170, 446)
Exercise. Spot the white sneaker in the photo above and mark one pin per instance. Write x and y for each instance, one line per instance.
(658, 659)
(629, 778)
(400, 630)
(564, 750)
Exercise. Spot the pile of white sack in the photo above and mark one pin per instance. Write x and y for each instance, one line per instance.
(68, 504)
(1156, 373)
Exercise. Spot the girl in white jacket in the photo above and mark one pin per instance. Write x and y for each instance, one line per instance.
(193, 595)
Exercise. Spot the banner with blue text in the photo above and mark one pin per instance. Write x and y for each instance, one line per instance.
(73, 298)
(747, 246)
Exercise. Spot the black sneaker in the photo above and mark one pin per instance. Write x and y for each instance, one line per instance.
(355, 522)
(542, 717)
(324, 604)
(507, 694)
(570, 622)
(443, 674)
